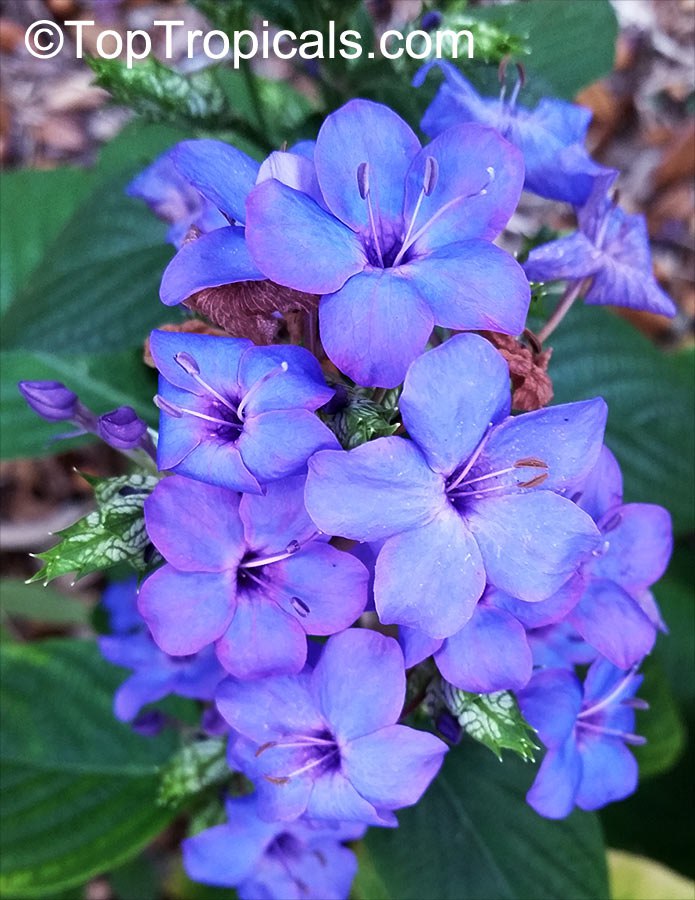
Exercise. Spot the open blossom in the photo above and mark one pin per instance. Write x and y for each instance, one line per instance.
(300, 860)
(551, 136)
(155, 674)
(234, 414)
(612, 249)
(397, 238)
(246, 573)
(473, 496)
(586, 729)
(327, 741)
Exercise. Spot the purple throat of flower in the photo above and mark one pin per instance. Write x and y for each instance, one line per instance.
(614, 697)
(528, 472)
(224, 413)
(250, 575)
(378, 254)
(321, 754)
(286, 848)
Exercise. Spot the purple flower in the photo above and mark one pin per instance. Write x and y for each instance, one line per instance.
(550, 137)
(155, 674)
(236, 415)
(301, 860)
(612, 248)
(560, 646)
(327, 741)
(585, 730)
(247, 573)
(616, 612)
(475, 495)
(398, 239)
(173, 198)
(123, 429)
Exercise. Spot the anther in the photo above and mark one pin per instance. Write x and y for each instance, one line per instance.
(273, 779)
(265, 746)
(191, 367)
(300, 607)
(635, 703)
(363, 179)
(534, 482)
(292, 547)
(431, 175)
(167, 407)
(187, 363)
(613, 522)
(530, 461)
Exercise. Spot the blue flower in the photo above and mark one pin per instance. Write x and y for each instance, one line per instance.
(301, 860)
(155, 674)
(327, 742)
(550, 137)
(246, 573)
(473, 496)
(395, 237)
(585, 729)
(174, 199)
(612, 249)
(234, 414)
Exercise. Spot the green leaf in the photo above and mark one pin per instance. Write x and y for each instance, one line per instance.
(114, 533)
(79, 786)
(23, 236)
(493, 720)
(97, 288)
(649, 394)
(32, 601)
(473, 836)
(194, 768)
(638, 878)
(160, 93)
(569, 45)
(363, 419)
(661, 724)
(102, 380)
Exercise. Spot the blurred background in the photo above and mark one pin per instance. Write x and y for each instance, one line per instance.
(55, 118)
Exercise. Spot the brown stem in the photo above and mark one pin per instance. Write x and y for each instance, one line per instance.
(378, 395)
(571, 293)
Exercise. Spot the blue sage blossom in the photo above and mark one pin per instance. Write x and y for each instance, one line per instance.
(587, 729)
(300, 860)
(237, 415)
(155, 674)
(551, 136)
(327, 741)
(474, 497)
(247, 573)
(611, 248)
(396, 238)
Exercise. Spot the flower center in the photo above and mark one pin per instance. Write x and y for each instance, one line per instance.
(590, 718)
(317, 753)
(253, 576)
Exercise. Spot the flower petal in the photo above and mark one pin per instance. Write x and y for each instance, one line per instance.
(448, 425)
(490, 653)
(612, 622)
(335, 798)
(219, 171)
(217, 542)
(416, 645)
(472, 285)
(375, 326)
(393, 767)
(213, 259)
(603, 489)
(364, 132)
(609, 771)
(186, 611)
(479, 182)
(211, 459)
(331, 586)
(567, 438)
(553, 792)
(376, 490)
(430, 577)
(550, 703)
(262, 640)
(301, 386)
(571, 257)
(279, 443)
(359, 682)
(545, 612)
(297, 243)
(640, 541)
(218, 359)
(276, 518)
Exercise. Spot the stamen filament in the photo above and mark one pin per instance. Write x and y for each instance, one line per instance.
(629, 738)
(177, 411)
(307, 767)
(257, 385)
(191, 367)
(471, 462)
(609, 698)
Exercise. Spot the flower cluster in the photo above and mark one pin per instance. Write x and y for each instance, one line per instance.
(303, 585)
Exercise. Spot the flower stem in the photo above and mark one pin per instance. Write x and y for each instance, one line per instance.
(571, 293)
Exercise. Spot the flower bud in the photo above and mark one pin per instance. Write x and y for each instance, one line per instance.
(50, 399)
(122, 428)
